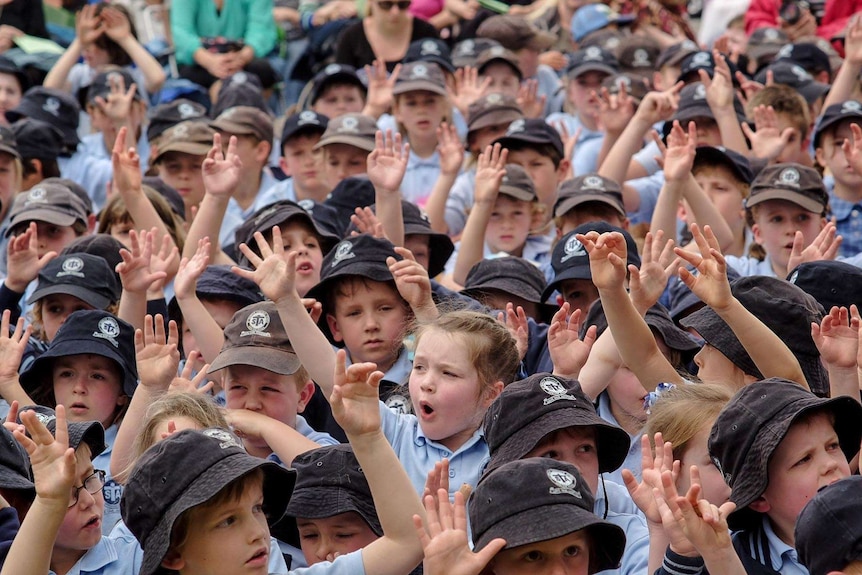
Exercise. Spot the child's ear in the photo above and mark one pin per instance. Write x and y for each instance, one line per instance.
(173, 560)
(761, 505)
(819, 156)
(333, 327)
(755, 231)
(305, 395)
(91, 224)
(122, 400)
(493, 391)
(283, 165)
(262, 151)
(563, 170)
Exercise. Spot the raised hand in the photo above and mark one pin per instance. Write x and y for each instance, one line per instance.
(824, 247)
(837, 337)
(490, 170)
(186, 383)
(679, 155)
(51, 459)
(274, 272)
(659, 106)
(568, 352)
(118, 105)
(852, 148)
(12, 347)
(115, 25)
(220, 170)
(380, 86)
(719, 88)
(468, 88)
(710, 284)
(767, 141)
(658, 264)
(444, 542)
(355, 396)
(411, 279)
(23, 261)
(531, 104)
(127, 166)
(134, 270)
(437, 478)
(388, 162)
(166, 260)
(652, 466)
(615, 110)
(156, 352)
(570, 141)
(607, 258)
(450, 148)
(515, 321)
(366, 222)
(88, 26)
(853, 40)
(185, 283)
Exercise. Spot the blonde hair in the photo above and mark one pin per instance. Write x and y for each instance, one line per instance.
(115, 212)
(684, 411)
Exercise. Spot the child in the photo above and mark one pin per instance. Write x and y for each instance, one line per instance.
(346, 144)
(511, 521)
(336, 90)
(776, 444)
(588, 198)
(790, 115)
(786, 210)
(827, 530)
(501, 67)
(300, 161)
(116, 220)
(39, 144)
(168, 115)
(13, 82)
(836, 143)
(497, 282)
(420, 106)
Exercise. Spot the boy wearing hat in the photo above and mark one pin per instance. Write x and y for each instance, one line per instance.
(792, 75)
(776, 445)
(169, 114)
(39, 145)
(828, 533)
(501, 66)
(346, 144)
(589, 198)
(336, 90)
(496, 282)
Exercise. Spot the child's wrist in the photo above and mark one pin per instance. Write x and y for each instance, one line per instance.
(16, 286)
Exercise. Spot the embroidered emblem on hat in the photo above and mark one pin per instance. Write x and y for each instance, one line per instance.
(225, 438)
(789, 177)
(343, 251)
(398, 404)
(308, 117)
(467, 47)
(516, 126)
(257, 322)
(592, 54)
(186, 111)
(332, 69)
(349, 124)
(429, 48)
(851, 107)
(785, 52)
(72, 267)
(179, 132)
(641, 58)
(37, 195)
(624, 81)
(52, 106)
(701, 59)
(263, 215)
(424, 215)
(800, 73)
(494, 98)
(239, 78)
(728, 478)
(109, 330)
(306, 204)
(770, 34)
(793, 277)
(228, 114)
(497, 51)
(565, 483)
(688, 45)
(557, 391)
(574, 249)
(419, 71)
(594, 183)
(44, 418)
(699, 92)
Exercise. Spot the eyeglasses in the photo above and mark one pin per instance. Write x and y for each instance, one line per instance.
(92, 484)
(386, 5)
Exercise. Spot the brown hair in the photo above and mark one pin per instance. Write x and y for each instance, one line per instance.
(491, 348)
(116, 54)
(785, 101)
(36, 317)
(684, 411)
(300, 376)
(115, 212)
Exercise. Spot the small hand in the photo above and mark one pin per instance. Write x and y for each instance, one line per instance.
(568, 352)
(88, 26)
(388, 162)
(659, 106)
(167, 261)
(247, 424)
(679, 155)
(837, 337)
(220, 170)
(658, 264)
(51, 459)
(531, 104)
(115, 24)
(853, 40)
(490, 170)
(185, 283)
(355, 397)
(127, 166)
(468, 88)
(719, 88)
(607, 258)
(185, 383)
(515, 321)
(134, 270)
(852, 148)
(118, 105)
(450, 148)
(824, 247)
(156, 352)
(652, 467)
(380, 86)
(12, 347)
(23, 261)
(437, 478)
(768, 140)
(615, 110)
(411, 279)
(274, 272)
(366, 222)
(710, 284)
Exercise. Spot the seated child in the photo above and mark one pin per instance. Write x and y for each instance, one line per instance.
(588, 198)
(16, 489)
(346, 144)
(501, 66)
(827, 530)
(497, 282)
(783, 108)
(299, 134)
(39, 144)
(336, 90)
(776, 445)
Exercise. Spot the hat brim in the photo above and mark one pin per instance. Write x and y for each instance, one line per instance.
(41, 215)
(591, 67)
(88, 296)
(342, 77)
(322, 501)
(271, 359)
(575, 201)
(418, 86)
(366, 144)
(191, 148)
(548, 522)
(718, 334)
(11, 150)
(517, 193)
(525, 138)
(673, 337)
(440, 247)
(813, 91)
(581, 272)
(11, 480)
(234, 128)
(502, 116)
(809, 204)
(207, 485)
(713, 155)
(90, 432)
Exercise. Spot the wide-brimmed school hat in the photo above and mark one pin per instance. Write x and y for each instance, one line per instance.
(172, 113)
(301, 123)
(420, 76)
(492, 110)
(850, 110)
(14, 464)
(828, 533)
(193, 137)
(96, 332)
(539, 499)
(85, 276)
(466, 52)
(55, 107)
(785, 309)
(693, 105)
(659, 321)
(830, 282)
(357, 130)
(102, 245)
(219, 282)
(430, 50)
(89, 432)
(510, 275)
(515, 32)
(329, 482)
(593, 17)
(440, 246)
(50, 202)
(791, 74)
(530, 409)
(9, 143)
(531, 131)
(791, 182)
(256, 336)
(245, 121)
(752, 425)
(34, 139)
(570, 260)
(498, 54)
(592, 59)
(589, 188)
(732, 160)
(185, 470)
(348, 194)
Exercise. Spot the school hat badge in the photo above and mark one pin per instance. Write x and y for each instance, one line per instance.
(95, 332)
(749, 429)
(85, 276)
(530, 409)
(828, 531)
(792, 182)
(539, 499)
(183, 471)
(50, 202)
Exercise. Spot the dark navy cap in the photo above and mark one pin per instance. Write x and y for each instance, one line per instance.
(531, 131)
(305, 122)
(510, 275)
(702, 60)
(828, 532)
(791, 74)
(673, 55)
(165, 116)
(14, 464)
(466, 52)
(37, 139)
(831, 283)
(104, 246)
(736, 162)
(430, 50)
(592, 59)
(807, 55)
(333, 74)
(850, 110)
(240, 89)
(171, 196)
(85, 276)
(100, 87)
(55, 107)
(349, 194)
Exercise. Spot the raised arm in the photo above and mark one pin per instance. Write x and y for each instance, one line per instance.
(137, 277)
(116, 27)
(88, 27)
(208, 334)
(386, 167)
(720, 97)
(847, 77)
(451, 152)
(12, 346)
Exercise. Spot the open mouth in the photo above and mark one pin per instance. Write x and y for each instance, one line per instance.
(425, 408)
(260, 556)
(94, 522)
(304, 267)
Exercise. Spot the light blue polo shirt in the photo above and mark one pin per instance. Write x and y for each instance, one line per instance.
(233, 208)
(632, 461)
(783, 557)
(112, 491)
(110, 556)
(460, 200)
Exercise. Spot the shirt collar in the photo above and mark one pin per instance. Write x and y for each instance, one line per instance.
(779, 551)
(840, 208)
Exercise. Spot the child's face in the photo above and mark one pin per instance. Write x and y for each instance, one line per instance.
(228, 539)
(546, 177)
(52, 238)
(509, 225)
(708, 133)
(484, 137)
(420, 112)
(252, 152)
(776, 223)
(580, 294)
(8, 180)
(274, 395)
(796, 149)
(56, 308)
(344, 533)
(369, 318)
(447, 395)
(498, 299)
(305, 165)
(724, 191)
(81, 529)
(418, 245)
(342, 161)
(503, 79)
(90, 386)
(808, 458)
(182, 172)
(581, 93)
(339, 99)
(300, 238)
(566, 555)
(120, 231)
(715, 367)
(575, 445)
(715, 490)
(10, 92)
(831, 155)
(94, 56)
(222, 312)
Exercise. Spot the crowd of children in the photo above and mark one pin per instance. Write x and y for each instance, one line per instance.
(557, 292)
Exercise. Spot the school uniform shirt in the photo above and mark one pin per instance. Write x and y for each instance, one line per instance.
(749, 266)
(279, 191)
(93, 174)
(234, 209)
(536, 250)
(94, 145)
(549, 86)
(586, 155)
(783, 556)
(227, 231)
(632, 461)
(848, 221)
(647, 155)
(110, 557)
(9, 526)
(112, 491)
(4, 241)
(350, 564)
(648, 189)
(763, 553)
(387, 122)
(460, 200)
(393, 387)
(635, 560)
(418, 454)
(420, 177)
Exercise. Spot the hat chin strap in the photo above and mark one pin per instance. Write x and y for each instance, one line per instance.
(607, 503)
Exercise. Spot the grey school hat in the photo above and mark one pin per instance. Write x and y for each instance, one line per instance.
(752, 425)
(539, 499)
(420, 76)
(492, 110)
(193, 137)
(50, 202)
(532, 408)
(90, 433)
(518, 184)
(828, 532)
(589, 188)
(791, 182)
(172, 113)
(185, 470)
(85, 276)
(256, 336)
(357, 130)
(245, 121)
(15, 470)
